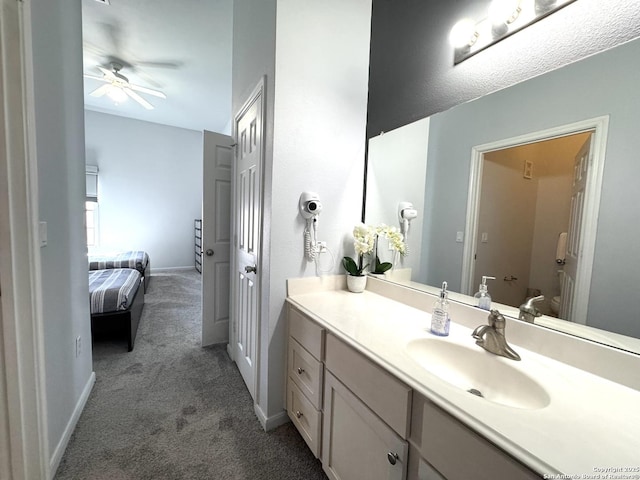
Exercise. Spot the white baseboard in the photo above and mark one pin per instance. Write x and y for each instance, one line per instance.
(56, 457)
(274, 421)
(172, 269)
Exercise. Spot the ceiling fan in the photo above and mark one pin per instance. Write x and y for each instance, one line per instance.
(118, 87)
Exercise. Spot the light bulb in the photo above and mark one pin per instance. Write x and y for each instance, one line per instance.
(117, 94)
(504, 11)
(543, 6)
(463, 33)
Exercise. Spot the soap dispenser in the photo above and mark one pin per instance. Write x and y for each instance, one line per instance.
(440, 317)
(483, 299)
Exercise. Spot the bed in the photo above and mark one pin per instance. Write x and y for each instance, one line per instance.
(137, 259)
(116, 301)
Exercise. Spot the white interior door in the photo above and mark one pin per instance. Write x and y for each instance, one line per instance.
(247, 216)
(574, 234)
(216, 237)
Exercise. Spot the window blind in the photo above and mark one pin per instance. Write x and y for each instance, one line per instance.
(92, 183)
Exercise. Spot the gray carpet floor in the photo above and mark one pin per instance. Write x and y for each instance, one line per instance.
(171, 409)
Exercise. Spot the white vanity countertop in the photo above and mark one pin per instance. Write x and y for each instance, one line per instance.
(590, 423)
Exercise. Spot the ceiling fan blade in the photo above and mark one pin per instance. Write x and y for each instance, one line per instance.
(113, 33)
(173, 65)
(150, 91)
(107, 73)
(100, 91)
(138, 98)
(92, 49)
(148, 79)
(95, 77)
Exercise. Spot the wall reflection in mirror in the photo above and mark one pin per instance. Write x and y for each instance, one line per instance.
(536, 185)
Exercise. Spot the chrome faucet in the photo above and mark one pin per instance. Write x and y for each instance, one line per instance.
(528, 311)
(491, 337)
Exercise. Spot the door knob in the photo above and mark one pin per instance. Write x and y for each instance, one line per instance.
(209, 252)
(392, 457)
(249, 269)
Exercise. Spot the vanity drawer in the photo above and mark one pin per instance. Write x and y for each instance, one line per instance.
(306, 372)
(457, 452)
(380, 391)
(308, 334)
(305, 417)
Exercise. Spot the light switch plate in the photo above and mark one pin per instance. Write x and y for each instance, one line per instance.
(43, 234)
(459, 237)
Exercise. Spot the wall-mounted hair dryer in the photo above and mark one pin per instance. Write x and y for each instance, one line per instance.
(406, 213)
(310, 208)
(310, 205)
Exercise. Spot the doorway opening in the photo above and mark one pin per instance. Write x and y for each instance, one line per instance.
(531, 217)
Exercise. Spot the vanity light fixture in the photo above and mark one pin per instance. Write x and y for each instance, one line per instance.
(504, 17)
(463, 34)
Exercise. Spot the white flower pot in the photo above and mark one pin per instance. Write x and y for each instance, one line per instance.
(356, 284)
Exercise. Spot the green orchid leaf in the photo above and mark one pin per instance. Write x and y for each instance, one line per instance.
(383, 267)
(350, 266)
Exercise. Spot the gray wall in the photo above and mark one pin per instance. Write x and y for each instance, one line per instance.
(59, 128)
(412, 73)
(149, 186)
(604, 84)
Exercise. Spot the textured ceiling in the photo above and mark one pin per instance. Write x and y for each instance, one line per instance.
(182, 48)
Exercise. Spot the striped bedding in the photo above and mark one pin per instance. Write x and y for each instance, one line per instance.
(137, 259)
(113, 289)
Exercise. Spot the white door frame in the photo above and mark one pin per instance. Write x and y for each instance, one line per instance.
(22, 396)
(259, 90)
(600, 128)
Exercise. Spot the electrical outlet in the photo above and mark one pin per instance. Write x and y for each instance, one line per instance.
(321, 247)
(78, 346)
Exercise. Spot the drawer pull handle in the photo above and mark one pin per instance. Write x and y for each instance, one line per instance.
(298, 413)
(300, 371)
(392, 457)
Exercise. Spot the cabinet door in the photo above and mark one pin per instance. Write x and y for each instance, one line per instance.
(456, 451)
(356, 444)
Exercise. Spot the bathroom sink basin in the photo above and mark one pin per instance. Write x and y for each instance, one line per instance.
(478, 372)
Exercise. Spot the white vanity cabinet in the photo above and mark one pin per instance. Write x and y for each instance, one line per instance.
(366, 417)
(444, 448)
(356, 443)
(364, 423)
(352, 413)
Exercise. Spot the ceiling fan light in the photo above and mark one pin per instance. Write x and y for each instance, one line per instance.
(116, 94)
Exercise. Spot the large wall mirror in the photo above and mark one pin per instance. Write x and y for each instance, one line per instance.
(536, 185)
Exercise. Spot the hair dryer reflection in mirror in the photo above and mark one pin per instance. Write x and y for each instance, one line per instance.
(406, 213)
